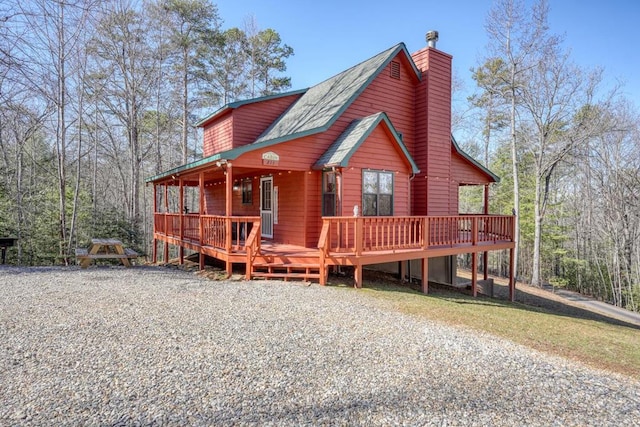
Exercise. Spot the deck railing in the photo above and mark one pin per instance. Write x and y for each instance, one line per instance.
(369, 234)
(220, 232)
(346, 234)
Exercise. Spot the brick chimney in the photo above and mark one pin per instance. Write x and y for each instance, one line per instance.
(432, 187)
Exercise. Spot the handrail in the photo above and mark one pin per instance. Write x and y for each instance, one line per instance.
(323, 246)
(219, 231)
(370, 234)
(252, 247)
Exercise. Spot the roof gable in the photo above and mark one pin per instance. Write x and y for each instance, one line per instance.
(238, 104)
(352, 138)
(473, 161)
(316, 110)
(323, 103)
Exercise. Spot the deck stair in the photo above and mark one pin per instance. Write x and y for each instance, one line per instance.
(286, 271)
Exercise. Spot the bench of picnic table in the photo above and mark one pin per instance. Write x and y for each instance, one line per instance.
(128, 253)
(105, 249)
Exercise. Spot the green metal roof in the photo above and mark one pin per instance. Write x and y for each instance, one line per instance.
(354, 135)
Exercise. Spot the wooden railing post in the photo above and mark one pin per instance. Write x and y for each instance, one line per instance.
(359, 235)
(228, 233)
(166, 223)
(474, 231)
(425, 232)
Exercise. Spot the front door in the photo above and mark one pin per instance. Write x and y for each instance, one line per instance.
(266, 206)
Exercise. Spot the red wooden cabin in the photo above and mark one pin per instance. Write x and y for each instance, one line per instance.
(358, 170)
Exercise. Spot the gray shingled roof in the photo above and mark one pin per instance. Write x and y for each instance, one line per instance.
(340, 152)
(323, 103)
(240, 103)
(314, 112)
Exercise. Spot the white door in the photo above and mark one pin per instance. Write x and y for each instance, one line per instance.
(266, 206)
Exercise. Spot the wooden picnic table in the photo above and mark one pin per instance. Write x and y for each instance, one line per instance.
(104, 249)
(5, 242)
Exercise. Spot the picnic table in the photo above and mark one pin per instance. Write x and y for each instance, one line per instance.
(5, 242)
(105, 249)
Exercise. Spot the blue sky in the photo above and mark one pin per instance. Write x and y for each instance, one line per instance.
(330, 36)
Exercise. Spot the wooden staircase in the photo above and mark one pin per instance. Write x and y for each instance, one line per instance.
(286, 262)
(286, 271)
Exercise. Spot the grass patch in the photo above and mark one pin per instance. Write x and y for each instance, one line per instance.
(566, 333)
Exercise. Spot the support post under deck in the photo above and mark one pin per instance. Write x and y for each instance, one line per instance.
(425, 275)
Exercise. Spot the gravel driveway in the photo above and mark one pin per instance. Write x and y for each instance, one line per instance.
(154, 346)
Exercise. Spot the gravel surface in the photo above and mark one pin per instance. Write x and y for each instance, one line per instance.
(156, 346)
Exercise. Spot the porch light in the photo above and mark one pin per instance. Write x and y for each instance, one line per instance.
(236, 187)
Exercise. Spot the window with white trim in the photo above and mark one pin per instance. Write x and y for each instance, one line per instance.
(377, 193)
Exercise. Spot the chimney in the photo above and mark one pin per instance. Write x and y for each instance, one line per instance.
(433, 189)
(432, 38)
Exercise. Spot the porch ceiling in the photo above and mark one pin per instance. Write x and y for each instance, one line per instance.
(218, 174)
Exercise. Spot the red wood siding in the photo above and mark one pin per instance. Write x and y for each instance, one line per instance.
(313, 209)
(299, 154)
(455, 197)
(251, 120)
(214, 200)
(392, 96)
(433, 125)
(243, 125)
(246, 209)
(376, 153)
(218, 136)
(298, 208)
(464, 172)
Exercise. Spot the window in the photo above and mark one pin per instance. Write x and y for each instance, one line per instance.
(247, 192)
(329, 188)
(377, 193)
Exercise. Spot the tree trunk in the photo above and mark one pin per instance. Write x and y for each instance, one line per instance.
(61, 137)
(185, 108)
(537, 234)
(514, 171)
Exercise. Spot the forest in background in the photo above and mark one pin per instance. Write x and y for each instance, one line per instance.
(95, 96)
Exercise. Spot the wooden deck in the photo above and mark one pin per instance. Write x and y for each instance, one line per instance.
(344, 241)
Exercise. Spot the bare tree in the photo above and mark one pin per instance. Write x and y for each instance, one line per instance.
(517, 36)
(126, 61)
(55, 30)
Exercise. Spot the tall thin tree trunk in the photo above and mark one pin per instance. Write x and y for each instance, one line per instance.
(61, 136)
(185, 108)
(76, 190)
(537, 235)
(514, 171)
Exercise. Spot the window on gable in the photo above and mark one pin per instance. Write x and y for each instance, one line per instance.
(377, 193)
(247, 192)
(395, 70)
